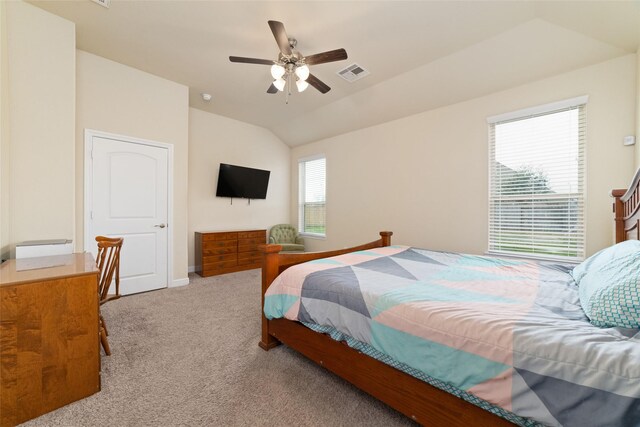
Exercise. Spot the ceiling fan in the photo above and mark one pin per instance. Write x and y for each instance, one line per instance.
(291, 64)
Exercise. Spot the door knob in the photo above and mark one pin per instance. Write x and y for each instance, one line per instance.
(160, 225)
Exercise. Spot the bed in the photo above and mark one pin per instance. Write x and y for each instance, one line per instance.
(536, 350)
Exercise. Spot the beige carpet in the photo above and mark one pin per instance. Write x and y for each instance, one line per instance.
(189, 356)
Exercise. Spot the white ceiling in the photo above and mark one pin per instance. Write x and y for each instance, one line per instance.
(421, 54)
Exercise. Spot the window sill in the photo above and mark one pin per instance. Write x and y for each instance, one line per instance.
(570, 261)
(314, 236)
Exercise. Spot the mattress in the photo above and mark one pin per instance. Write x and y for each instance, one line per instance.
(510, 333)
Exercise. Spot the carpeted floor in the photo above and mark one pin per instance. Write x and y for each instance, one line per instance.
(189, 356)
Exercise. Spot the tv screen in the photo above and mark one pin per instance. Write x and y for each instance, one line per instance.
(238, 181)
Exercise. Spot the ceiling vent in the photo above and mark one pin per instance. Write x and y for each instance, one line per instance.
(104, 3)
(353, 72)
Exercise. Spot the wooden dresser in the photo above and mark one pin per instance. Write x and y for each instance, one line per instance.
(221, 252)
(49, 347)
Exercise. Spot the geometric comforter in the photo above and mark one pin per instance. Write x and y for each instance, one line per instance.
(510, 332)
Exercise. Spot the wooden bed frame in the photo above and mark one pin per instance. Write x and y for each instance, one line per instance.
(626, 212)
(416, 399)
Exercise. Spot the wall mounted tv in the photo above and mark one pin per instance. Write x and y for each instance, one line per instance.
(241, 182)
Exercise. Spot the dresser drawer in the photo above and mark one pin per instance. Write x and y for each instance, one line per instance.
(219, 236)
(253, 241)
(248, 248)
(218, 266)
(249, 245)
(220, 244)
(256, 259)
(221, 250)
(251, 234)
(218, 258)
(249, 254)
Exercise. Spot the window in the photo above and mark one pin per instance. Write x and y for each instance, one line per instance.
(536, 200)
(311, 200)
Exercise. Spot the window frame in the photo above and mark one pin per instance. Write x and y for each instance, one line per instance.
(523, 114)
(301, 197)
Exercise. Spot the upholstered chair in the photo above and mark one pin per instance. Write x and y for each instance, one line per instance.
(287, 236)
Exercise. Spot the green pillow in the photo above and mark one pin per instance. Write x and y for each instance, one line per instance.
(610, 293)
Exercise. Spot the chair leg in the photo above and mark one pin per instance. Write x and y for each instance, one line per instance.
(104, 325)
(105, 342)
(103, 339)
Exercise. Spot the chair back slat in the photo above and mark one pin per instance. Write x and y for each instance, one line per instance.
(108, 262)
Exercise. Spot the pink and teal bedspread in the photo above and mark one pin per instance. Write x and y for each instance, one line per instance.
(511, 333)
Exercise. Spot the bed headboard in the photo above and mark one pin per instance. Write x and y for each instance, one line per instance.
(626, 209)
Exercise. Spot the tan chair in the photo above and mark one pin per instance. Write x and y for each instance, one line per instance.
(108, 262)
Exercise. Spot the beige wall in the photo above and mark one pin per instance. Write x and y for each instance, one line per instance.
(4, 137)
(38, 86)
(425, 176)
(122, 100)
(215, 139)
(637, 163)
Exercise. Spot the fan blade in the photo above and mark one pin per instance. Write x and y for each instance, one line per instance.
(277, 28)
(272, 89)
(250, 60)
(329, 56)
(318, 84)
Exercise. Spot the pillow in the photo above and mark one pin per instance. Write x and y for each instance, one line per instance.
(600, 259)
(610, 293)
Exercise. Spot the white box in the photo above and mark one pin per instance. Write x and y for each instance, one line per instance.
(35, 248)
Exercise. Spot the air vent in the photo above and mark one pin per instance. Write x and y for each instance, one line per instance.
(104, 3)
(353, 72)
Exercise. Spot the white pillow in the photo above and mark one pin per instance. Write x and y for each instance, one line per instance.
(601, 258)
(609, 286)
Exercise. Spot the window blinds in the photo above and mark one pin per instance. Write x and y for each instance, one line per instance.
(312, 206)
(536, 200)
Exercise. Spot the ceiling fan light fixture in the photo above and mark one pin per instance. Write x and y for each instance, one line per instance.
(279, 84)
(290, 64)
(302, 85)
(277, 71)
(302, 72)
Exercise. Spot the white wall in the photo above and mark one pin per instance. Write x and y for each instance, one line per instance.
(38, 87)
(215, 139)
(119, 99)
(425, 177)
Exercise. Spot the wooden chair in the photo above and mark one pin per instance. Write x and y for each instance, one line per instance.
(108, 262)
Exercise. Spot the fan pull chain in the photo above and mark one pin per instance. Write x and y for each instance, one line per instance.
(286, 100)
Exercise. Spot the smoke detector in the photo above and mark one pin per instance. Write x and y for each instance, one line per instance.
(103, 3)
(353, 72)
(206, 97)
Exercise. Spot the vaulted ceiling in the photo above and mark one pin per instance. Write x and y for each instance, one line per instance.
(421, 54)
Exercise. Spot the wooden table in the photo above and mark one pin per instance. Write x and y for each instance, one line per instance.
(49, 346)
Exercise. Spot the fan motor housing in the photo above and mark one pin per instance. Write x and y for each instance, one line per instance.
(290, 59)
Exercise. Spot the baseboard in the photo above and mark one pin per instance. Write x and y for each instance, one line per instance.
(179, 282)
(191, 269)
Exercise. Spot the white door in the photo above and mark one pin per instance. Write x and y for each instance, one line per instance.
(129, 198)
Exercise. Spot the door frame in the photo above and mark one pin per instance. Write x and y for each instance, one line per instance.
(89, 134)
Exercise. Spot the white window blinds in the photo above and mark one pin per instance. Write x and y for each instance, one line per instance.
(536, 200)
(311, 199)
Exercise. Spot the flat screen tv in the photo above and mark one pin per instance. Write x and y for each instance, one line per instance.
(241, 182)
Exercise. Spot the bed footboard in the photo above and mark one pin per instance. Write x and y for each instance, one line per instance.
(274, 263)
